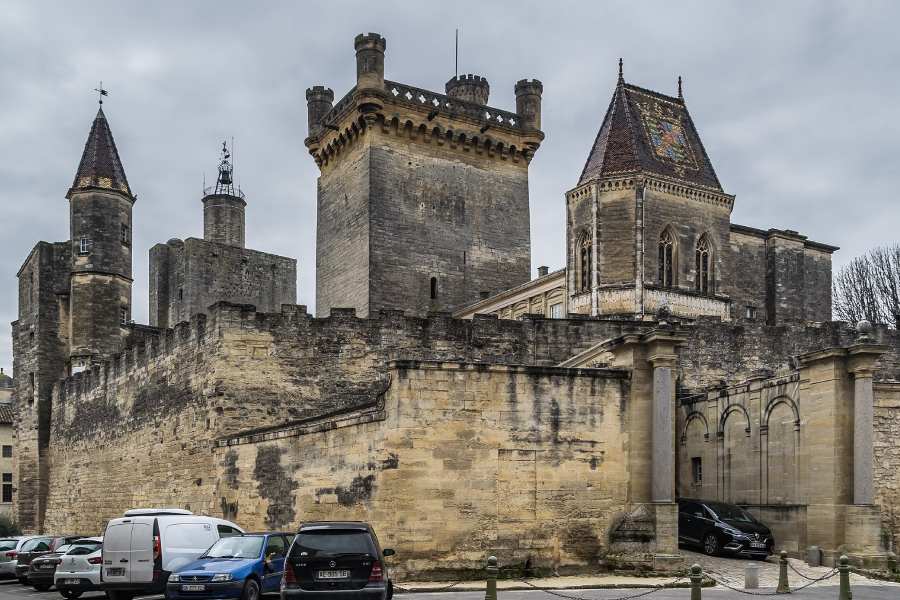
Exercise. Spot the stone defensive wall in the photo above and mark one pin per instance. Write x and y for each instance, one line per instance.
(270, 419)
(719, 352)
(454, 437)
(454, 462)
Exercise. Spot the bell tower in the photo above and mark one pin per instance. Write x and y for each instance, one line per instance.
(223, 207)
(100, 207)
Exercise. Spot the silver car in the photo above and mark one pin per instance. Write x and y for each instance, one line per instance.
(9, 547)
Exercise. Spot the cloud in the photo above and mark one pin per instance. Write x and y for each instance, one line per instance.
(794, 101)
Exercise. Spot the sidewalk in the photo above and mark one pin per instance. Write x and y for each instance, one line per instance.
(583, 582)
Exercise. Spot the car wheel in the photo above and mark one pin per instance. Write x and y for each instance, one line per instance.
(70, 594)
(23, 580)
(251, 590)
(710, 544)
(117, 595)
(43, 587)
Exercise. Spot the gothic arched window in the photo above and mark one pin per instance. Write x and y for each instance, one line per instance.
(703, 259)
(667, 258)
(584, 263)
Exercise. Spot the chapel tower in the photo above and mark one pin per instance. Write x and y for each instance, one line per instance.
(422, 197)
(100, 206)
(649, 228)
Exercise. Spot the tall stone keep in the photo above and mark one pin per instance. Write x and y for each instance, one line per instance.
(100, 205)
(422, 196)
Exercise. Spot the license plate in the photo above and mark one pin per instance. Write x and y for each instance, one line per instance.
(71, 581)
(193, 588)
(757, 545)
(344, 574)
(116, 572)
(45, 566)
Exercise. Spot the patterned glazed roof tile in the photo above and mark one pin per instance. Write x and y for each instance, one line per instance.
(100, 165)
(645, 131)
(7, 414)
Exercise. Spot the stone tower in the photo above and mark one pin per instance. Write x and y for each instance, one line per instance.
(649, 228)
(100, 204)
(223, 207)
(422, 197)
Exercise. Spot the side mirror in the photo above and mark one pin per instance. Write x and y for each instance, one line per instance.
(388, 552)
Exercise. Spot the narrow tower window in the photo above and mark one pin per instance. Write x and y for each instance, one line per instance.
(667, 259)
(84, 246)
(703, 255)
(123, 315)
(585, 262)
(434, 288)
(126, 240)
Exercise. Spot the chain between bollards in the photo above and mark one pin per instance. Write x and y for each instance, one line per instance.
(844, 570)
(490, 588)
(696, 581)
(783, 585)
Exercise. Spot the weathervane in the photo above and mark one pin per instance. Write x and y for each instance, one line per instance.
(102, 93)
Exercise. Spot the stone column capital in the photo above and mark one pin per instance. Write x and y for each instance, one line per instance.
(663, 360)
(861, 359)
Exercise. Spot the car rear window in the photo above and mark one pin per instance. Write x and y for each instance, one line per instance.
(8, 544)
(37, 545)
(329, 542)
(83, 548)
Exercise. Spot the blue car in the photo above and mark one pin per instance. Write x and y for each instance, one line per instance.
(242, 566)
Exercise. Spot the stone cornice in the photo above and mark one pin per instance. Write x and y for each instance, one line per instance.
(675, 187)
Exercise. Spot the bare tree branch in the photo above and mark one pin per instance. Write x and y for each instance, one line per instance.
(869, 288)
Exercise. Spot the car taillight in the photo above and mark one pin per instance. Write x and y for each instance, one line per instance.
(96, 560)
(157, 552)
(11, 554)
(288, 579)
(376, 574)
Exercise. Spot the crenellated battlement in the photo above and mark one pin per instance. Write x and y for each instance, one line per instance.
(231, 329)
(463, 110)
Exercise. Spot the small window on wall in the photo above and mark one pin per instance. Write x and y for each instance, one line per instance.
(556, 311)
(751, 313)
(666, 276)
(584, 264)
(703, 265)
(126, 239)
(84, 246)
(434, 289)
(123, 315)
(7, 451)
(697, 470)
(7, 487)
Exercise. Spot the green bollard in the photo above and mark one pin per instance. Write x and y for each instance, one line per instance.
(696, 581)
(783, 585)
(490, 591)
(844, 570)
(892, 562)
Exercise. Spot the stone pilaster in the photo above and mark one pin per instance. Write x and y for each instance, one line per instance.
(861, 365)
(663, 473)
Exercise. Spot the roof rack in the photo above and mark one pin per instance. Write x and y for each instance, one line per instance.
(143, 512)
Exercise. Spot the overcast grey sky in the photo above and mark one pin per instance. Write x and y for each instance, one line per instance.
(796, 103)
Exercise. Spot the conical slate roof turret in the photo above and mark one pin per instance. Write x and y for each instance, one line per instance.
(100, 165)
(648, 132)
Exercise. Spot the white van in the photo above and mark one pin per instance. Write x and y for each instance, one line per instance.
(142, 548)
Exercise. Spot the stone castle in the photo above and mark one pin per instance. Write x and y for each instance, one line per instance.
(439, 393)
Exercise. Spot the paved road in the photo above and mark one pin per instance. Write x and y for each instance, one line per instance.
(12, 590)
